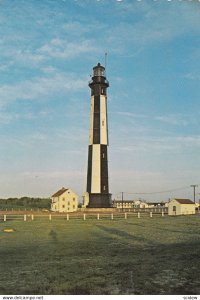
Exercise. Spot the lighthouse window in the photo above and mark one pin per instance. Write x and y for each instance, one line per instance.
(104, 187)
(102, 123)
(103, 155)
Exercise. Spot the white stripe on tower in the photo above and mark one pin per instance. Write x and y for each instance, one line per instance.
(91, 121)
(103, 121)
(96, 169)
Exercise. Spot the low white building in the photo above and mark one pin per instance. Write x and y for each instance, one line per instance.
(140, 204)
(157, 204)
(129, 204)
(123, 204)
(64, 200)
(181, 207)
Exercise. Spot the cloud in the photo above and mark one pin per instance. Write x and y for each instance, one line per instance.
(192, 76)
(32, 58)
(40, 87)
(6, 118)
(38, 183)
(153, 135)
(175, 143)
(144, 24)
(75, 28)
(129, 114)
(6, 66)
(63, 49)
(51, 174)
(154, 182)
(11, 116)
(174, 119)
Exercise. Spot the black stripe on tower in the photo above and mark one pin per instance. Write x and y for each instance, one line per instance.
(104, 170)
(96, 120)
(89, 174)
(98, 89)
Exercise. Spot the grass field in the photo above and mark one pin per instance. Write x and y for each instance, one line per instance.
(147, 256)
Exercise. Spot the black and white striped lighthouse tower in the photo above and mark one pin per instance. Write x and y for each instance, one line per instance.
(97, 174)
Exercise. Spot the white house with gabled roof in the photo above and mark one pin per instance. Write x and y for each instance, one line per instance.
(64, 200)
(181, 207)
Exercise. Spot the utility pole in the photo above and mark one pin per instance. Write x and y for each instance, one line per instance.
(122, 201)
(194, 187)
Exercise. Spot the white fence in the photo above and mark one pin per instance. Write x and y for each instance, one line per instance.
(81, 216)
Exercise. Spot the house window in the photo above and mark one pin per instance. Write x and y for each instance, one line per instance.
(74, 199)
(73, 206)
(63, 199)
(174, 208)
(103, 155)
(63, 206)
(68, 203)
(104, 187)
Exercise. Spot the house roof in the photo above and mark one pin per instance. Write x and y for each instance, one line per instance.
(120, 201)
(184, 201)
(60, 192)
(156, 203)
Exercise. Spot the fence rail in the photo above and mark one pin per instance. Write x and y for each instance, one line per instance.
(4, 216)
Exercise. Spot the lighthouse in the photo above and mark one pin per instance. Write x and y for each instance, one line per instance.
(97, 194)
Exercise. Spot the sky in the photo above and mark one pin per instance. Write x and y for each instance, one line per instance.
(47, 51)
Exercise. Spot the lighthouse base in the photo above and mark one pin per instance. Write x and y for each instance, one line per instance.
(99, 201)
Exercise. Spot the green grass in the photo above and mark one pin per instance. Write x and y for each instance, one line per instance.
(135, 256)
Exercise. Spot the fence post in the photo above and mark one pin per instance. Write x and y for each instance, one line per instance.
(111, 216)
(4, 218)
(24, 217)
(97, 216)
(125, 215)
(32, 217)
(67, 217)
(138, 214)
(84, 217)
(151, 214)
(49, 217)
(162, 213)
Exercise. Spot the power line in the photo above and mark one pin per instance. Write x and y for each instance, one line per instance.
(157, 192)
